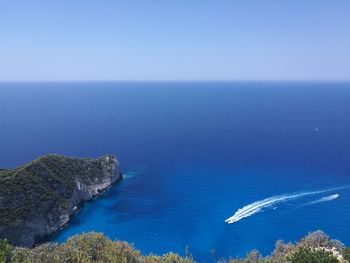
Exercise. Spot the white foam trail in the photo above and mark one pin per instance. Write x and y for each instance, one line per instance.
(258, 206)
(130, 174)
(324, 199)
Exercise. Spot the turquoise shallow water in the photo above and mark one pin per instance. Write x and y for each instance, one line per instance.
(193, 154)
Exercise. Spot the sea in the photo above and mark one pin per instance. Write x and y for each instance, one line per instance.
(217, 168)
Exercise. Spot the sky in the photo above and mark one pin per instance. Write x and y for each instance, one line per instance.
(174, 40)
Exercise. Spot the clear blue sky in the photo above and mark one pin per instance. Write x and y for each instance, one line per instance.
(175, 40)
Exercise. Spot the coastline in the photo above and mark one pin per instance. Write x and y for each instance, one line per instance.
(78, 209)
(58, 187)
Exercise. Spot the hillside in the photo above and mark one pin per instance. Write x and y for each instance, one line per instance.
(38, 198)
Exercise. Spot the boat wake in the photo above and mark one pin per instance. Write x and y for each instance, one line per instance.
(130, 174)
(258, 206)
(324, 199)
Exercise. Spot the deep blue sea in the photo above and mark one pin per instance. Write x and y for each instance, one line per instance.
(193, 153)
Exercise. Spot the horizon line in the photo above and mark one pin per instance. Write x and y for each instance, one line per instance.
(176, 80)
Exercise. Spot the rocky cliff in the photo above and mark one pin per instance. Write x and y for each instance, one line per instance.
(39, 198)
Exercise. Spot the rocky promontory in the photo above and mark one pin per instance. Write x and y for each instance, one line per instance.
(40, 197)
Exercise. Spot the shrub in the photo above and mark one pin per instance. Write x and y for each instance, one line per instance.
(320, 239)
(167, 258)
(306, 255)
(253, 256)
(346, 254)
(5, 251)
(282, 250)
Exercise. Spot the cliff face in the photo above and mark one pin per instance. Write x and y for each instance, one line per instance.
(39, 198)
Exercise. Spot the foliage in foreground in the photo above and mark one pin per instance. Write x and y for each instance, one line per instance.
(314, 248)
(96, 248)
(317, 256)
(84, 248)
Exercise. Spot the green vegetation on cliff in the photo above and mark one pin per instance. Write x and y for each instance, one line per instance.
(43, 185)
(95, 248)
(38, 198)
